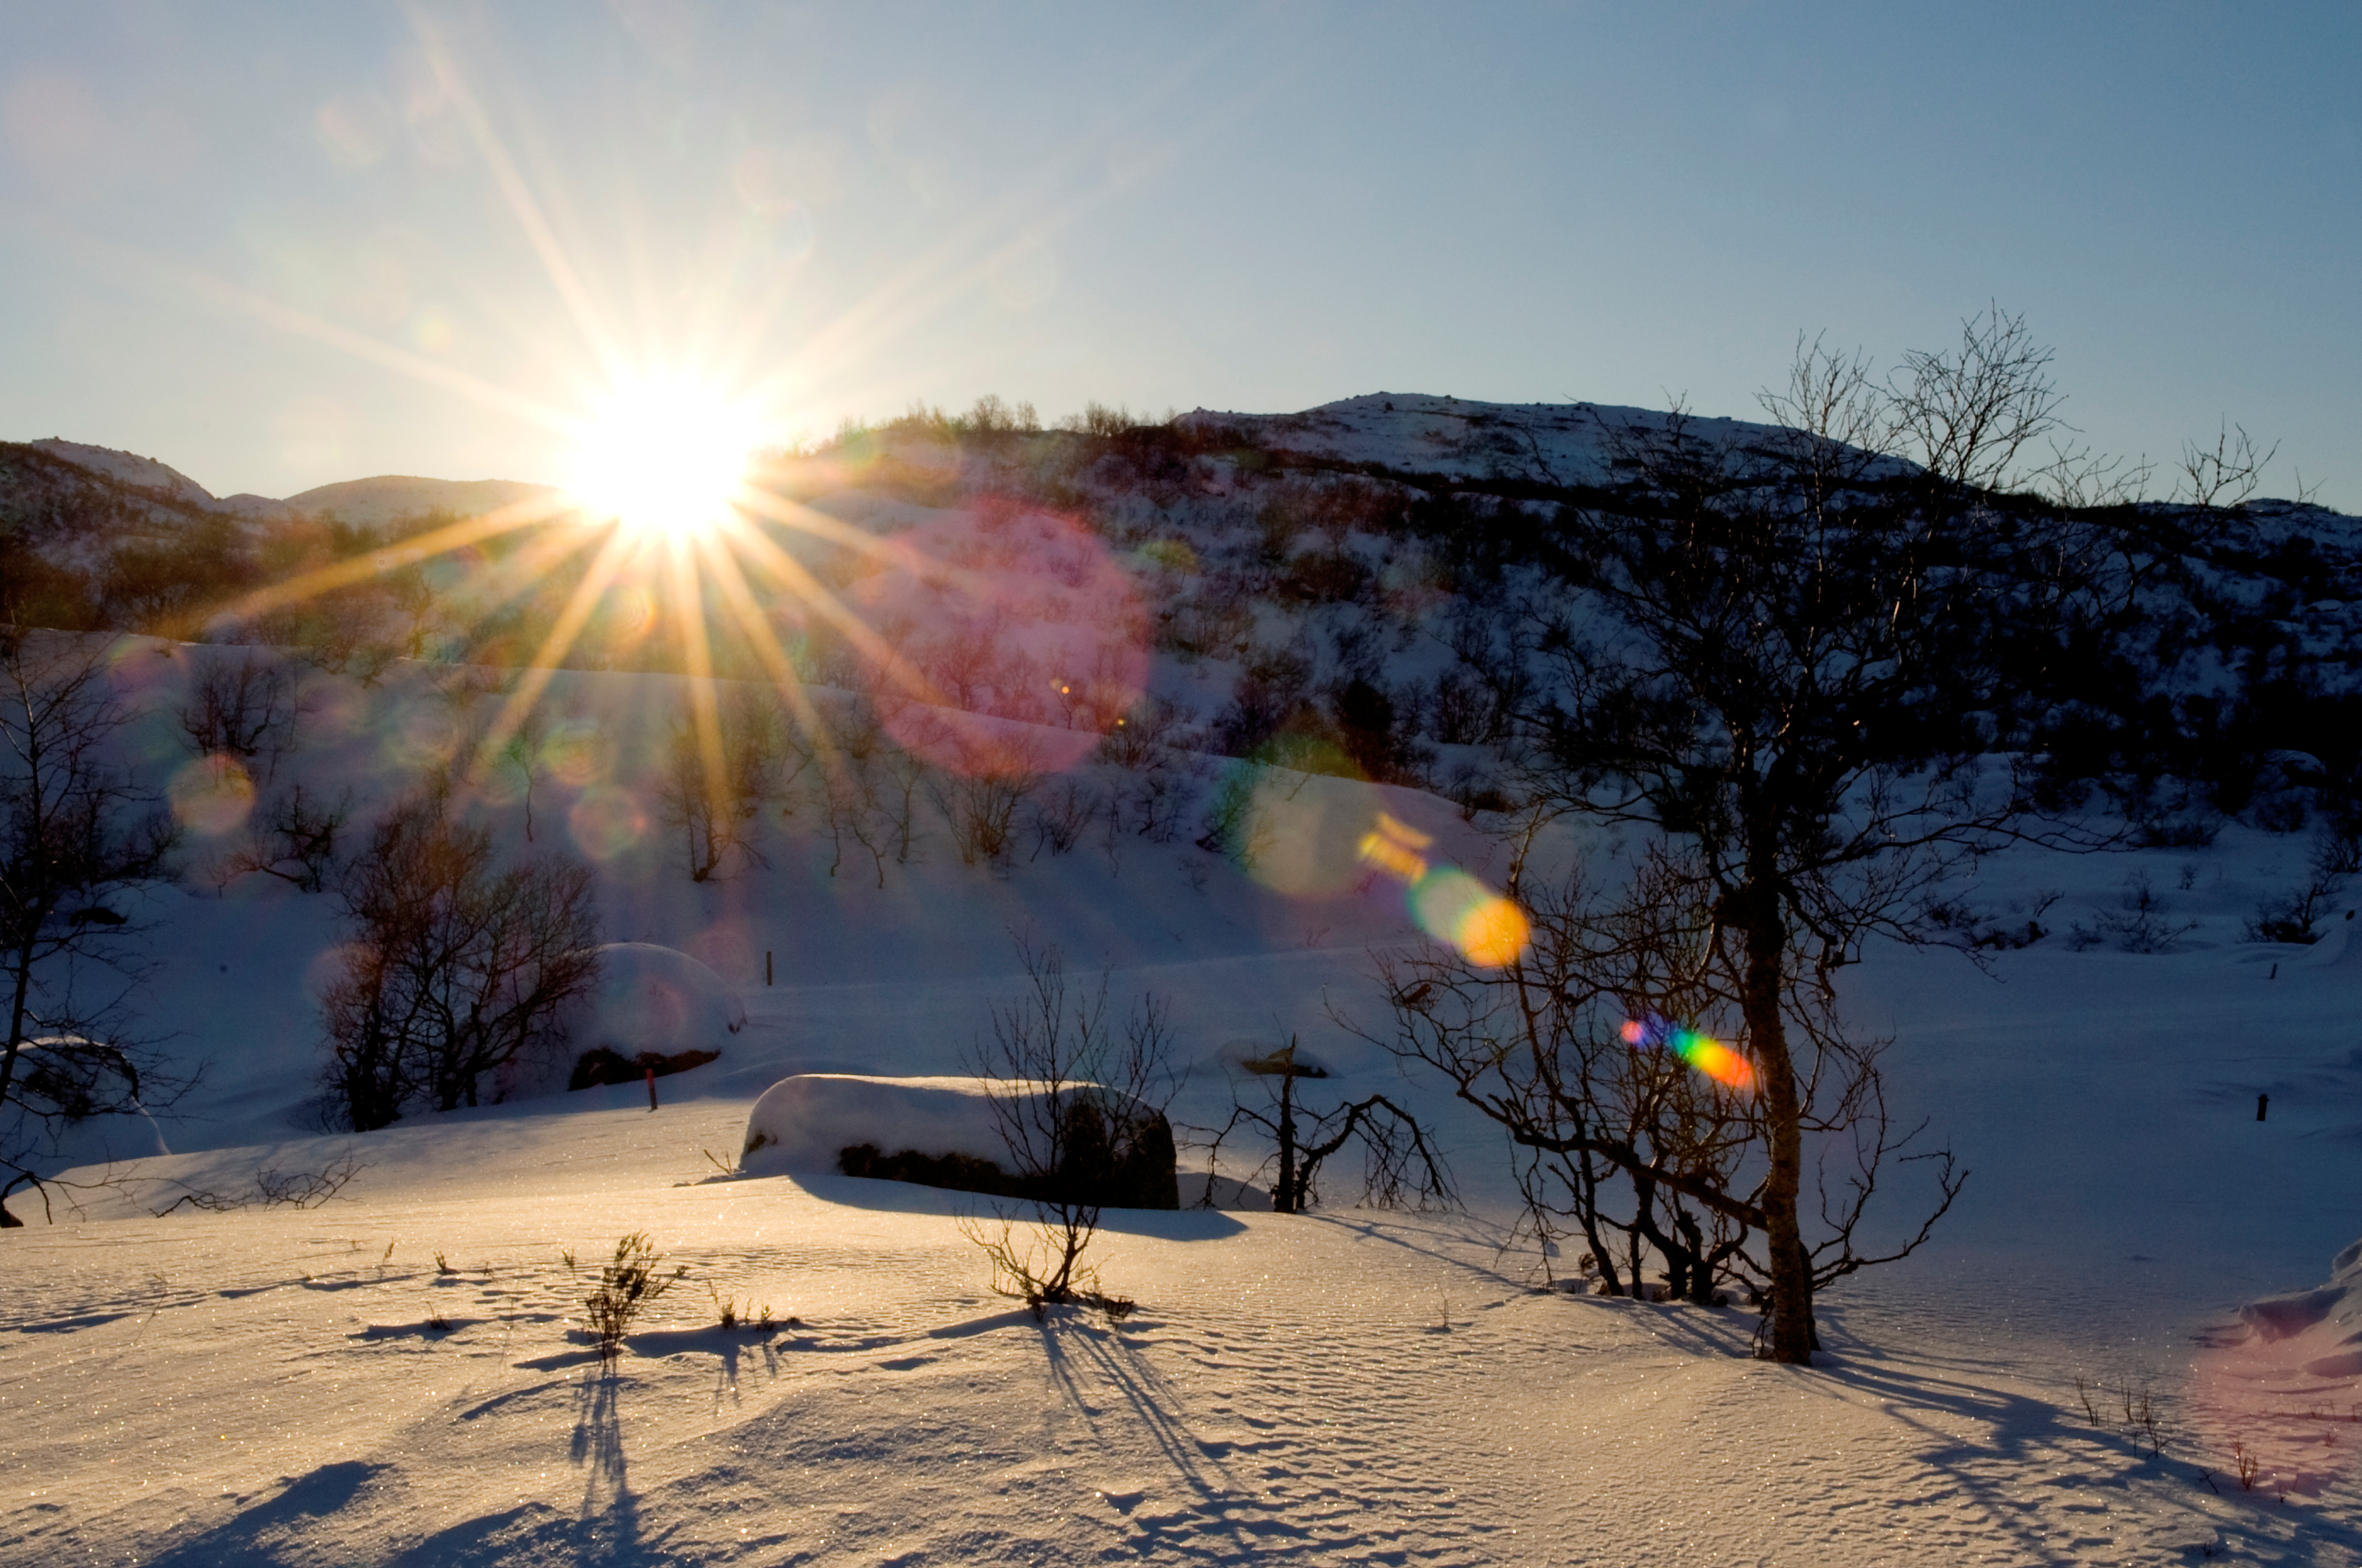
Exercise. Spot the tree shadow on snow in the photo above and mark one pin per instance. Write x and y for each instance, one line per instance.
(1070, 1342)
(599, 1447)
(2019, 1439)
(277, 1529)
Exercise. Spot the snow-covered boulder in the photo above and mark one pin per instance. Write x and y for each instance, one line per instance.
(76, 1103)
(2324, 1324)
(940, 1130)
(657, 999)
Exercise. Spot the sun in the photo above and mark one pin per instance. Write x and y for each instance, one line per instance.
(663, 457)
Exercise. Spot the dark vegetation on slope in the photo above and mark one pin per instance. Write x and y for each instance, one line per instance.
(1818, 664)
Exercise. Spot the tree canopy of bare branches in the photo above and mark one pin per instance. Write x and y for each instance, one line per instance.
(1807, 668)
(74, 830)
(457, 967)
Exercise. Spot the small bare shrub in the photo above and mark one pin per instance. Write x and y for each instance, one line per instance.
(2138, 925)
(626, 1284)
(1058, 816)
(730, 1315)
(1079, 1110)
(2248, 1468)
(981, 810)
(293, 839)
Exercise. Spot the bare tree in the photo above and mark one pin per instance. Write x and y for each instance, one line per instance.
(1634, 1125)
(74, 832)
(1791, 661)
(713, 786)
(248, 710)
(415, 599)
(2224, 477)
(1060, 815)
(526, 752)
(293, 838)
(1081, 1113)
(1398, 1160)
(457, 968)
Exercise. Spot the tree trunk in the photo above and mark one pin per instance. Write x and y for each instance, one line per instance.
(1286, 1200)
(1757, 912)
(22, 973)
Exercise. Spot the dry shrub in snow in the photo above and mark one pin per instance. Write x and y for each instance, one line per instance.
(626, 1283)
(1077, 1105)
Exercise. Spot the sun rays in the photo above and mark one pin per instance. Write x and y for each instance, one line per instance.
(677, 515)
(664, 455)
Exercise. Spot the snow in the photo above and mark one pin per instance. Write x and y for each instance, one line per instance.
(127, 468)
(1340, 1387)
(402, 1374)
(652, 998)
(1567, 443)
(802, 1123)
(127, 1134)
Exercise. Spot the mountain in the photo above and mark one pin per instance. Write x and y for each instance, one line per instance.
(1452, 437)
(368, 503)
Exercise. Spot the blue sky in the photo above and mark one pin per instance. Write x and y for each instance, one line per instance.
(278, 246)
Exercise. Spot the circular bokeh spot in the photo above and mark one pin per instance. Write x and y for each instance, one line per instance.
(1017, 640)
(1455, 907)
(606, 821)
(575, 753)
(423, 733)
(211, 795)
(1300, 834)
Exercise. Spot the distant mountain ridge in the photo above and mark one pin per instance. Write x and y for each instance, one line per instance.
(384, 498)
(1554, 443)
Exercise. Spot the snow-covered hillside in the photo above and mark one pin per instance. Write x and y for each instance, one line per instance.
(1353, 1385)
(2162, 1117)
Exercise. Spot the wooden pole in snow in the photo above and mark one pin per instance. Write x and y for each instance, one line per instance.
(652, 1089)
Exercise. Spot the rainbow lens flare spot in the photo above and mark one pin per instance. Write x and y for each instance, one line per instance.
(1454, 907)
(1706, 1055)
(1394, 849)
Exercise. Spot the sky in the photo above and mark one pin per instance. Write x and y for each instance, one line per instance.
(278, 246)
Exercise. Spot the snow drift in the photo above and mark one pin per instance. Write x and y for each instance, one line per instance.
(805, 1125)
(659, 1000)
(2327, 1321)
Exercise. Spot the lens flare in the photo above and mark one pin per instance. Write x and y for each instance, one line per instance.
(423, 733)
(576, 753)
(606, 821)
(1707, 1056)
(664, 457)
(1455, 907)
(211, 796)
(1447, 904)
(1293, 817)
(1020, 642)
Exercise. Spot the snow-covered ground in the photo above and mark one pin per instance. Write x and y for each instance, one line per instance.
(268, 1385)
(1348, 1386)
(403, 1373)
